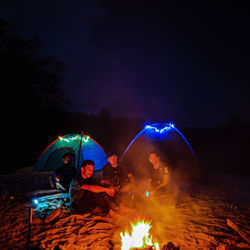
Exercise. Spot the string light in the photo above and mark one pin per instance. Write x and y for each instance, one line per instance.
(35, 201)
(165, 129)
(85, 138)
(168, 126)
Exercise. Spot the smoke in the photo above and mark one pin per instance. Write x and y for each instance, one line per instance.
(174, 152)
(160, 212)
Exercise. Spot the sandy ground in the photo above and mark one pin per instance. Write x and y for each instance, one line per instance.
(198, 221)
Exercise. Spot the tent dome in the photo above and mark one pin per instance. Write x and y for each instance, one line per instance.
(172, 147)
(51, 157)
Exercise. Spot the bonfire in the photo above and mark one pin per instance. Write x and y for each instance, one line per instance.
(139, 237)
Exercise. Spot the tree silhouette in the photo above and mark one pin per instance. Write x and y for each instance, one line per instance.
(32, 79)
(32, 96)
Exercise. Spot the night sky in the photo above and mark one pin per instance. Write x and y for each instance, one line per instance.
(159, 60)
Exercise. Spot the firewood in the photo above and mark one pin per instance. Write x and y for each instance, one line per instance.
(243, 234)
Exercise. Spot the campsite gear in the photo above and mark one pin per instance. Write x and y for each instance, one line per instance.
(51, 157)
(79, 152)
(171, 246)
(30, 209)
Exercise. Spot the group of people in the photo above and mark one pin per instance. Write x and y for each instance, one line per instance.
(88, 192)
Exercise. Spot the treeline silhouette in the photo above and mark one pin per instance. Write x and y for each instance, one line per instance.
(36, 109)
(36, 112)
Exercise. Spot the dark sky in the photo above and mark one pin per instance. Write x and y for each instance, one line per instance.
(160, 60)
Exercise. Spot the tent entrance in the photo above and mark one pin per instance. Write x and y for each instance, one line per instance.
(54, 160)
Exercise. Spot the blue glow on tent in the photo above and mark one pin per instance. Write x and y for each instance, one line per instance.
(51, 158)
(160, 129)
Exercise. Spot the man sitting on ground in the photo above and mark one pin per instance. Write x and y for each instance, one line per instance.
(158, 174)
(64, 175)
(86, 192)
(112, 171)
(114, 175)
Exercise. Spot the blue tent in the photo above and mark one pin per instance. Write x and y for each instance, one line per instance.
(51, 157)
(169, 143)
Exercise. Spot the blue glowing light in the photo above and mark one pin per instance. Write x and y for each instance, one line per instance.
(158, 128)
(35, 201)
(168, 127)
(165, 129)
(147, 193)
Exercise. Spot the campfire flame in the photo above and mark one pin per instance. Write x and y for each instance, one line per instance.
(139, 237)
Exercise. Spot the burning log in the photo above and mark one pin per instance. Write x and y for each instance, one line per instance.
(140, 238)
(146, 248)
(170, 246)
(29, 229)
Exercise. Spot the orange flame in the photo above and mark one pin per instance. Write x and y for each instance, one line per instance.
(139, 237)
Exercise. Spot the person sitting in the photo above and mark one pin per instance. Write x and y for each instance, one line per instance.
(116, 176)
(87, 193)
(112, 171)
(158, 174)
(64, 175)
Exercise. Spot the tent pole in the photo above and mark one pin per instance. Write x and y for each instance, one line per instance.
(79, 153)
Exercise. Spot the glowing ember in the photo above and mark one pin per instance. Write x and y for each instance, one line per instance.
(139, 237)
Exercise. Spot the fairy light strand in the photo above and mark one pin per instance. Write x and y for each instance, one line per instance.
(165, 129)
(69, 139)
